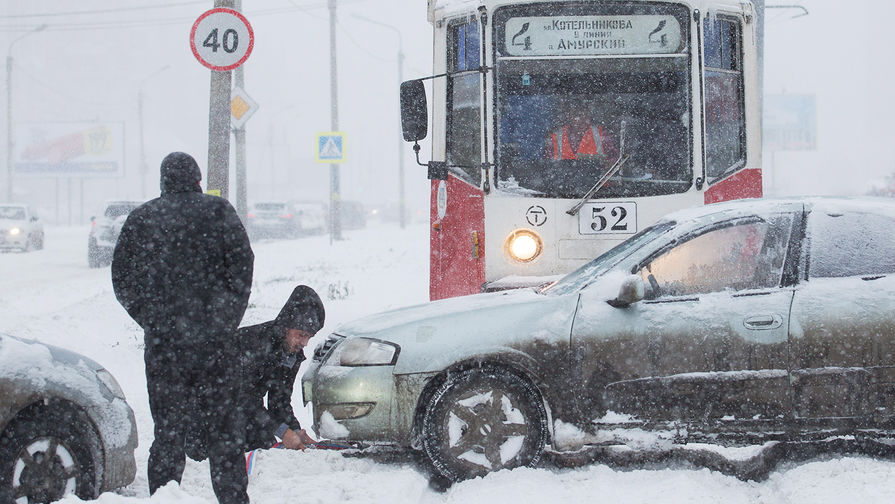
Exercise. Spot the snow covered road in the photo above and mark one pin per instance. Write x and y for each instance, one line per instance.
(52, 296)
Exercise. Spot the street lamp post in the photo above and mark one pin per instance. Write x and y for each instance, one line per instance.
(9, 136)
(402, 219)
(144, 166)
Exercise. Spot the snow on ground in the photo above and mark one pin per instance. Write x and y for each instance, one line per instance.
(52, 296)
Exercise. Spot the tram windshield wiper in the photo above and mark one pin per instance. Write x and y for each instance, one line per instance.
(622, 158)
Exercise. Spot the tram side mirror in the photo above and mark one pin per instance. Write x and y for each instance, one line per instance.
(414, 111)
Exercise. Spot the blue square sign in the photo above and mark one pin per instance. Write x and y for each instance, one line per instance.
(330, 147)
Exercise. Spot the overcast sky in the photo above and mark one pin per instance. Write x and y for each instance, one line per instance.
(91, 66)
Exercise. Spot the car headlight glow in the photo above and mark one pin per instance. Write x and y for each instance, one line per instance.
(15, 231)
(523, 245)
(110, 382)
(363, 352)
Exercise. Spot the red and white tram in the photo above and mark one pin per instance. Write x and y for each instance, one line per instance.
(562, 128)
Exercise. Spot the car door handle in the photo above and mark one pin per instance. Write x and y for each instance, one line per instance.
(763, 322)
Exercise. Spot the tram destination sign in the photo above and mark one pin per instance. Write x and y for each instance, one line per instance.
(592, 35)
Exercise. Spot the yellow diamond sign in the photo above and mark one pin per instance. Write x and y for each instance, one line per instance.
(238, 107)
(242, 106)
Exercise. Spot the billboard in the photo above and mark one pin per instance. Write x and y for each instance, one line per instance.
(69, 150)
(789, 123)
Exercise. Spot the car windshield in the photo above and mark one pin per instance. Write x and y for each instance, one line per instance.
(13, 213)
(581, 277)
(116, 210)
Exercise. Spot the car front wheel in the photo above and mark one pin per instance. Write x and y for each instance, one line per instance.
(483, 420)
(44, 459)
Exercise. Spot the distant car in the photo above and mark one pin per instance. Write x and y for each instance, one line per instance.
(737, 323)
(353, 215)
(65, 427)
(272, 219)
(21, 228)
(311, 217)
(104, 231)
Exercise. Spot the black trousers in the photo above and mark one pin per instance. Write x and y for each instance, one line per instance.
(187, 385)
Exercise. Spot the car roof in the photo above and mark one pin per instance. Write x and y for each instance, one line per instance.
(733, 209)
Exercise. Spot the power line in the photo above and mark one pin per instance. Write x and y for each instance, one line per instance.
(137, 23)
(103, 11)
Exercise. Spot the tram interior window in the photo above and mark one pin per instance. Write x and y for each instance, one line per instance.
(724, 102)
(464, 99)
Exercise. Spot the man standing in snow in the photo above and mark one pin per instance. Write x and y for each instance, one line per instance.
(182, 268)
(270, 355)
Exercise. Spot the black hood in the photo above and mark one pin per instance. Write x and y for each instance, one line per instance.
(304, 310)
(180, 173)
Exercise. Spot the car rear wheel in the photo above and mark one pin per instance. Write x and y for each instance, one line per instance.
(483, 420)
(93, 254)
(44, 459)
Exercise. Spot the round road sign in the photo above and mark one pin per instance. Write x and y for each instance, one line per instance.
(222, 39)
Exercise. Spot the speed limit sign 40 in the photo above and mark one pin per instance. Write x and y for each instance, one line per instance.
(222, 39)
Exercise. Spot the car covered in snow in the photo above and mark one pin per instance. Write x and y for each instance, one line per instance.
(311, 216)
(104, 231)
(21, 228)
(65, 427)
(272, 219)
(738, 323)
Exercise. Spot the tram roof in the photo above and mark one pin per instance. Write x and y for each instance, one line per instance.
(448, 8)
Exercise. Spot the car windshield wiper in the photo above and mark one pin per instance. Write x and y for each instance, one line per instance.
(622, 158)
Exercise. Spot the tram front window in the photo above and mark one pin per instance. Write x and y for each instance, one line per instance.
(560, 111)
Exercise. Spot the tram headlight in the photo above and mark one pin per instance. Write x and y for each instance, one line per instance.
(523, 245)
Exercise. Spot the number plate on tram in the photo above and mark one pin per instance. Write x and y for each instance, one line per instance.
(608, 218)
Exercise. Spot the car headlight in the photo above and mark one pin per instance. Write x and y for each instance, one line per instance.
(363, 352)
(523, 245)
(15, 231)
(110, 382)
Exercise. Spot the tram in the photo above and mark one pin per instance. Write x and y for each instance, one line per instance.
(562, 128)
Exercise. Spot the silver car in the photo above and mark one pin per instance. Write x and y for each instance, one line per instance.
(21, 228)
(104, 231)
(749, 322)
(65, 427)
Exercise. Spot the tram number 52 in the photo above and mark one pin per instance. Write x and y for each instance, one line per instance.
(608, 218)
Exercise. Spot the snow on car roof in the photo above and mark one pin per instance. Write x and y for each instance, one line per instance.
(748, 206)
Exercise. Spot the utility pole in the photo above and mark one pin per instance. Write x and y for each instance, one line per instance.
(335, 218)
(759, 34)
(239, 137)
(10, 143)
(219, 127)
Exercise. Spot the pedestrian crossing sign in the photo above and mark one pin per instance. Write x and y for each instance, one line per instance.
(330, 147)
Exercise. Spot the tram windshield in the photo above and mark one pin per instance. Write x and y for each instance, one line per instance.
(569, 77)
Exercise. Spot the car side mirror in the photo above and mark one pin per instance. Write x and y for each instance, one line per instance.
(414, 111)
(33, 218)
(631, 291)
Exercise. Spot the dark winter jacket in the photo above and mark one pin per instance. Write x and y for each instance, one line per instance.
(265, 369)
(182, 267)
(268, 370)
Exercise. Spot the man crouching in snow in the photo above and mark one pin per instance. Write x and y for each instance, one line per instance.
(271, 354)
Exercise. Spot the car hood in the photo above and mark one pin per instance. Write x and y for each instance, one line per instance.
(58, 354)
(434, 335)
